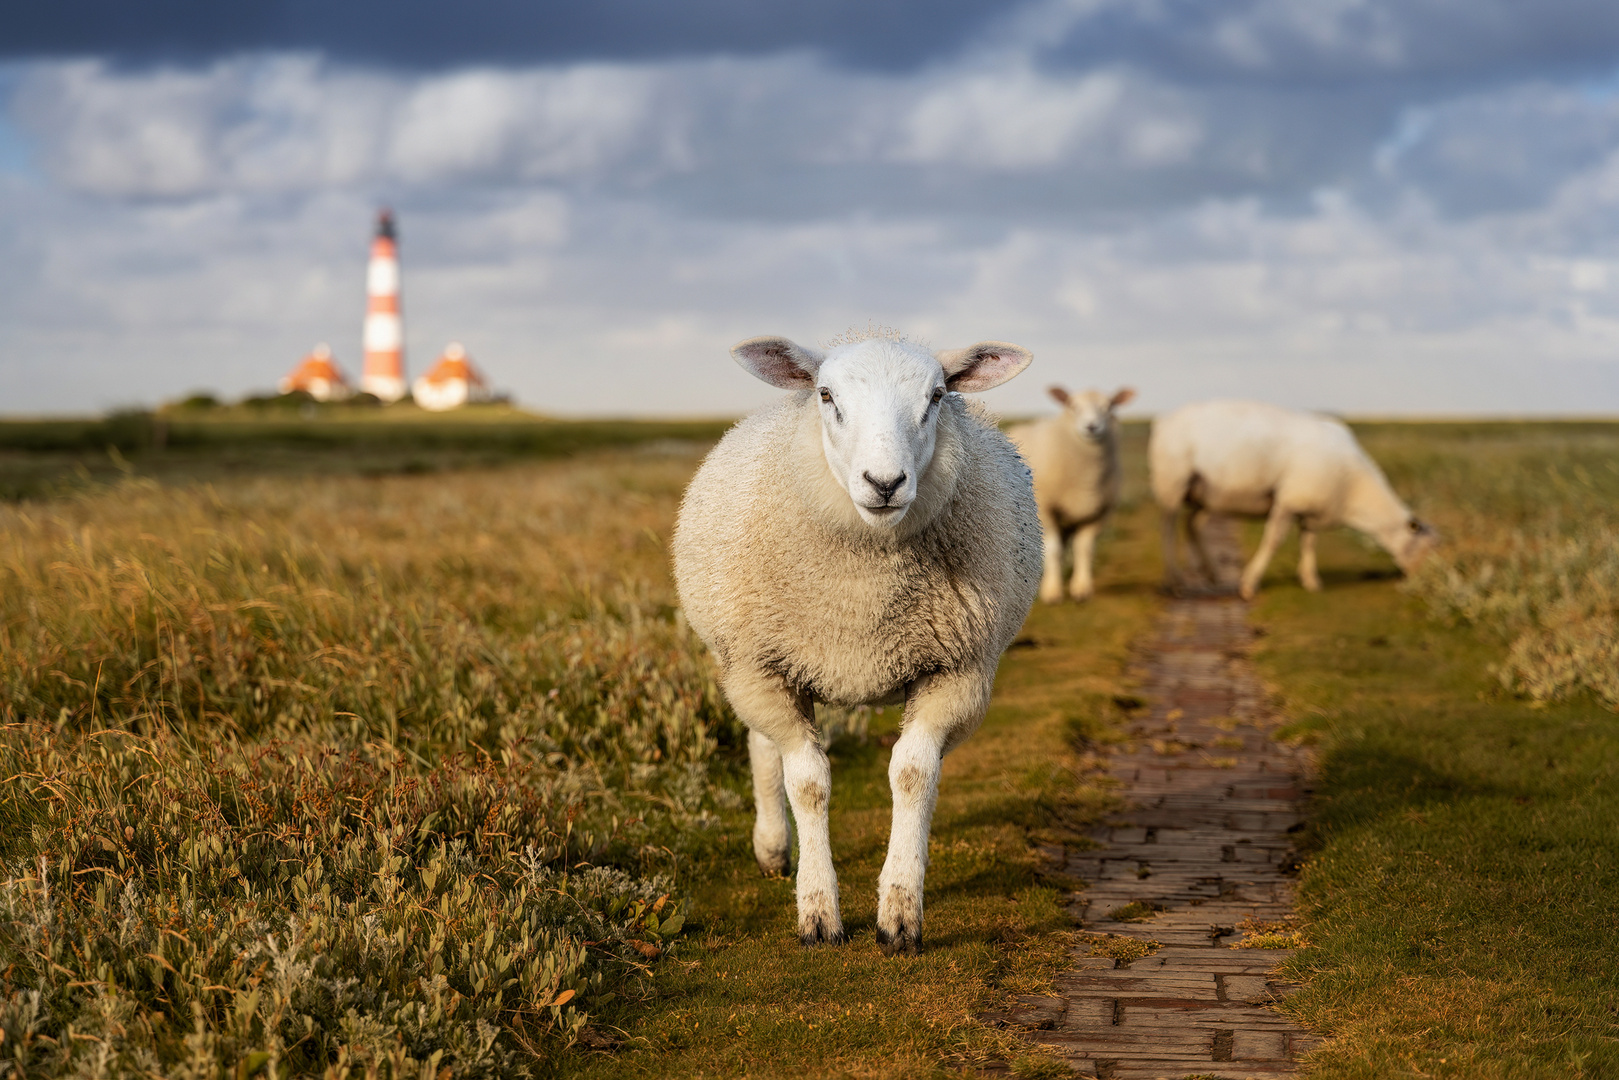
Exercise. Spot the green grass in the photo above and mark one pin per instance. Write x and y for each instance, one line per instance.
(39, 458)
(1464, 842)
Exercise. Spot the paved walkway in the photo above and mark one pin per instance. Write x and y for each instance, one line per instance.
(1203, 847)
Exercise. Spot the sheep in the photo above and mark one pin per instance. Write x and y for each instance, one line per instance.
(1075, 460)
(1257, 460)
(870, 539)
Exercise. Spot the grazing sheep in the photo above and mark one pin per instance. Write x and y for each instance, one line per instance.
(1257, 460)
(870, 538)
(1075, 460)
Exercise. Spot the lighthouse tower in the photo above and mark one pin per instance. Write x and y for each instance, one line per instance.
(384, 371)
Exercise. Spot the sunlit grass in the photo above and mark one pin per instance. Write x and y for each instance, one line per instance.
(1464, 843)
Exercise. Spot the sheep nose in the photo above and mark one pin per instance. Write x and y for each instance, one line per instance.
(885, 488)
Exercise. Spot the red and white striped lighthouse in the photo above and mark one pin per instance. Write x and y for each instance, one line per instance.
(384, 371)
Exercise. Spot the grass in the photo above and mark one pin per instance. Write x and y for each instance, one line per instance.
(44, 457)
(353, 774)
(326, 760)
(748, 1002)
(344, 773)
(1459, 896)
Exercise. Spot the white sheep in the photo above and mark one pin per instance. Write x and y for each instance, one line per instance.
(1255, 460)
(871, 538)
(1075, 460)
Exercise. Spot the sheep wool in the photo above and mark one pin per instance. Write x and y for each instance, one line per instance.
(1251, 459)
(806, 586)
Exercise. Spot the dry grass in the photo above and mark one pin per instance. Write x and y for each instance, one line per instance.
(1530, 513)
(421, 775)
(343, 775)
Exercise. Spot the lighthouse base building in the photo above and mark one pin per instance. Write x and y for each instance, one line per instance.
(318, 376)
(451, 383)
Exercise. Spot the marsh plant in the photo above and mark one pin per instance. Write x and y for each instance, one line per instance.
(344, 777)
(1530, 515)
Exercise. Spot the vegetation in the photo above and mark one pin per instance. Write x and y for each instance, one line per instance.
(1459, 898)
(354, 772)
(338, 774)
(320, 760)
(190, 442)
(1531, 513)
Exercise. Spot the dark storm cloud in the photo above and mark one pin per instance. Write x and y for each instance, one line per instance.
(1331, 41)
(435, 34)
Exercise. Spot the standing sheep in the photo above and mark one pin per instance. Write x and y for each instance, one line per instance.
(1075, 460)
(1256, 460)
(870, 538)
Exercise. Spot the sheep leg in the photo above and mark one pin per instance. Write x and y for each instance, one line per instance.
(940, 711)
(1080, 587)
(1051, 580)
(1309, 577)
(772, 829)
(1194, 533)
(1171, 545)
(1276, 529)
(786, 718)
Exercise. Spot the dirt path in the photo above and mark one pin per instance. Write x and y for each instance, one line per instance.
(1203, 846)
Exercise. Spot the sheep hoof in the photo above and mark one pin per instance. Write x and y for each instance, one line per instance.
(903, 942)
(1052, 597)
(818, 930)
(1247, 592)
(899, 923)
(774, 864)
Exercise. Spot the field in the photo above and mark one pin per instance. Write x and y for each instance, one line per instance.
(348, 748)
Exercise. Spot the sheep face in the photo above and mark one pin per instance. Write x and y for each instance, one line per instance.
(880, 401)
(1415, 540)
(1091, 413)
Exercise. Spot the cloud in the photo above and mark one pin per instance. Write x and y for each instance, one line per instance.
(1227, 219)
(1331, 42)
(297, 124)
(423, 35)
(1016, 119)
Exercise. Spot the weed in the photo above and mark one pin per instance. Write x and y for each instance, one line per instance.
(1123, 949)
(1134, 911)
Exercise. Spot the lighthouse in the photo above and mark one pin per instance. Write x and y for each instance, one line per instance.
(384, 371)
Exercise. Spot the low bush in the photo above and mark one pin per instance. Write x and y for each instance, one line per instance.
(364, 777)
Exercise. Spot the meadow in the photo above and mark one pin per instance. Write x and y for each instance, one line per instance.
(365, 753)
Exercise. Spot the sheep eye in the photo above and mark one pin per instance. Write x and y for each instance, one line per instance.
(938, 394)
(826, 396)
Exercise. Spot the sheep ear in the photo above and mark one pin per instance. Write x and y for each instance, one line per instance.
(1125, 395)
(778, 361)
(979, 367)
(1058, 394)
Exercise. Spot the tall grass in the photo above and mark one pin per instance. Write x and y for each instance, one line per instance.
(1530, 515)
(344, 776)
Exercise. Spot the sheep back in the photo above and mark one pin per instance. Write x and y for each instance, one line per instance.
(775, 570)
(1244, 457)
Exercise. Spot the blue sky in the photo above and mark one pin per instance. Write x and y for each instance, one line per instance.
(1372, 206)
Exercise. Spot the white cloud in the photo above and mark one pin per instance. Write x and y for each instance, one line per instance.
(599, 235)
(296, 124)
(1011, 118)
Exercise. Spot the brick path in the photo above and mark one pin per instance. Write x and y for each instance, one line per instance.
(1204, 843)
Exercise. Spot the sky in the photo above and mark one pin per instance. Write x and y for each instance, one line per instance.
(1366, 206)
